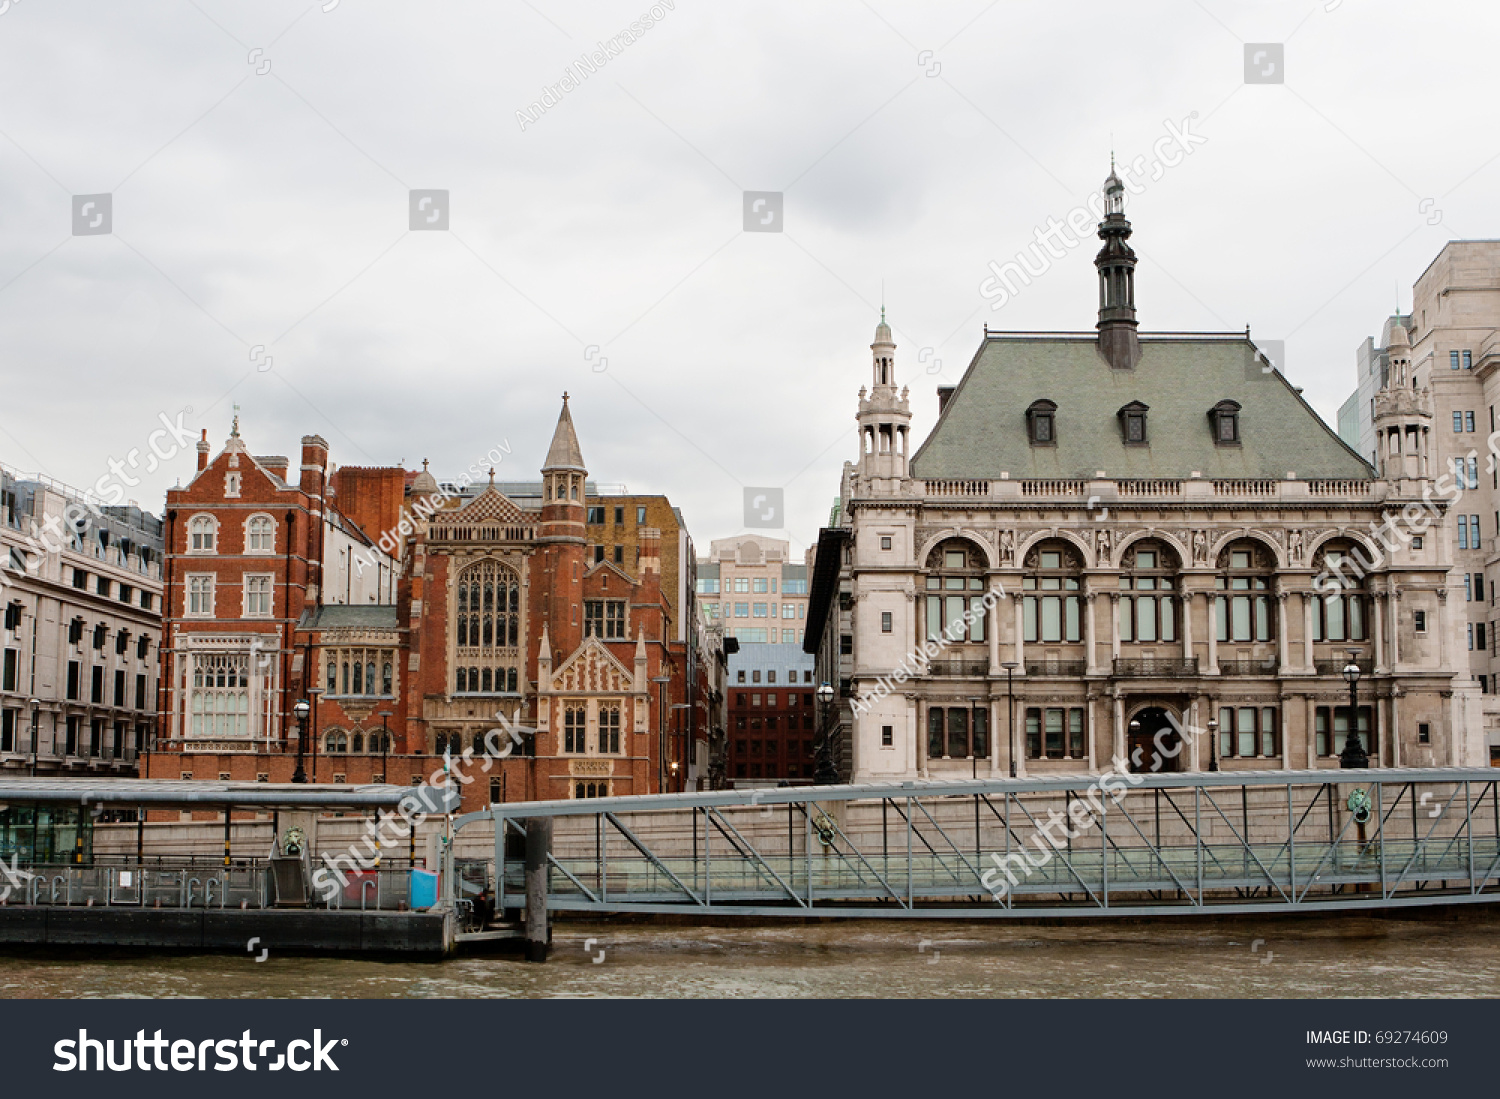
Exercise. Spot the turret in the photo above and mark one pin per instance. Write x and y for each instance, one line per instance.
(1118, 342)
(884, 418)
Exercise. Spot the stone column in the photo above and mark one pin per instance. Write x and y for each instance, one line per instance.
(1395, 624)
(1307, 631)
(1090, 727)
(1114, 626)
(1193, 725)
(1377, 612)
(1020, 647)
(1213, 635)
(922, 738)
(1090, 633)
(993, 614)
(1442, 594)
(1395, 730)
(1310, 730)
(990, 708)
(1119, 737)
(1281, 628)
(1186, 603)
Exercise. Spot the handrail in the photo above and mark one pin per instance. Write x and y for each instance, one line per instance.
(192, 882)
(367, 883)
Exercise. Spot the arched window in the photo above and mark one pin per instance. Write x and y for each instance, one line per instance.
(1244, 604)
(1342, 616)
(385, 678)
(955, 592)
(1148, 609)
(1052, 608)
(336, 742)
(260, 534)
(357, 743)
(359, 678)
(203, 533)
(370, 677)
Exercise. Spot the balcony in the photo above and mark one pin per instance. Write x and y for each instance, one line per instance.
(1336, 667)
(976, 669)
(1156, 668)
(1268, 666)
(1054, 668)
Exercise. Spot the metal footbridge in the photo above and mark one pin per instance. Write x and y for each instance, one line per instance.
(1055, 846)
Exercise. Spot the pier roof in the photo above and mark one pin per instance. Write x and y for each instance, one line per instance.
(199, 794)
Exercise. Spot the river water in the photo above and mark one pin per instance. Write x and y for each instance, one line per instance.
(1302, 957)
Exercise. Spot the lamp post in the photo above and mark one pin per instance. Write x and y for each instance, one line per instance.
(1354, 755)
(824, 774)
(1132, 728)
(1010, 667)
(312, 739)
(385, 742)
(661, 682)
(973, 737)
(300, 710)
(35, 719)
(681, 740)
(1213, 744)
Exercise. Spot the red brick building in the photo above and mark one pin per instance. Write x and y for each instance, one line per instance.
(772, 719)
(413, 617)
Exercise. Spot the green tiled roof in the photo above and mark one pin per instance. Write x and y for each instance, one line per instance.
(366, 616)
(982, 431)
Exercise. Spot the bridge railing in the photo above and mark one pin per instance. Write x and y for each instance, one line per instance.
(1239, 841)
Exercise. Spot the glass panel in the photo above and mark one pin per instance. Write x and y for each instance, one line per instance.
(978, 614)
(1126, 634)
(1168, 619)
(953, 583)
(1029, 616)
(1145, 583)
(1226, 731)
(981, 732)
(1221, 618)
(954, 609)
(1072, 608)
(1034, 734)
(1075, 734)
(1051, 618)
(1321, 726)
(1268, 731)
(1145, 617)
(934, 617)
(1356, 618)
(1054, 734)
(958, 733)
(1262, 618)
(1334, 605)
(1245, 728)
(934, 733)
(1240, 609)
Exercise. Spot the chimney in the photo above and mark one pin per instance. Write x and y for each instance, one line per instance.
(203, 451)
(944, 392)
(314, 464)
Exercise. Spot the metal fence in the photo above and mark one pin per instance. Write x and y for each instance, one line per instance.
(189, 883)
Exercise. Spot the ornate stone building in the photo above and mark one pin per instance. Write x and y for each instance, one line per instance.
(1112, 536)
(413, 616)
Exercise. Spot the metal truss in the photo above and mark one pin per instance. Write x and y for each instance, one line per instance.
(1055, 846)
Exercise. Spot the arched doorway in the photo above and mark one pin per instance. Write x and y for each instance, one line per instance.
(1155, 743)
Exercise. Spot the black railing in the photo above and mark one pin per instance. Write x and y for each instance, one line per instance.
(1057, 667)
(1165, 667)
(1249, 667)
(959, 668)
(1336, 667)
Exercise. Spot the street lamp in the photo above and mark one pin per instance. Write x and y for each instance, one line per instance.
(1010, 667)
(824, 774)
(385, 742)
(1354, 755)
(300, 710)
(1213, 744)
(35, 718)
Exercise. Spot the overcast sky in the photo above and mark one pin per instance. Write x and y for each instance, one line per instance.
(260, 206)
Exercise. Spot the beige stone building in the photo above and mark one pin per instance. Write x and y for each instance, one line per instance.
(751, 585)
(1133, 547)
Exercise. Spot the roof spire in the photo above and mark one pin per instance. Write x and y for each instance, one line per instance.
(564, 453)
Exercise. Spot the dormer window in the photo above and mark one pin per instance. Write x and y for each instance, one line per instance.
(1133, 423)
(1225, 417)
(1041, 425)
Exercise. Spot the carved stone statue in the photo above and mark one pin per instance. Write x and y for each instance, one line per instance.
(1295, 547)
(1102, 544)
(1200, 548)
(1007, 547)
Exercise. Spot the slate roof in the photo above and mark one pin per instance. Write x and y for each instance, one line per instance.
(982, 431)
(564, 453)
(364, 616)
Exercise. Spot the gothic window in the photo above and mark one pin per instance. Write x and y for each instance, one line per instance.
(609, 730)
(260, 534)
(1225, 417)
(336, 742)
(220, 698)
(955, 592)
(357, 743)
(575, 727)
(258, 596)
(1052, 603)
(202, 533)
(487, 619)
(1041, 424)
(1148, 610)
(200, 595)
(353, 672)
(1133, 423)
(1243, 605)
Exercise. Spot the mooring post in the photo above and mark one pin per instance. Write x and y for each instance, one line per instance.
(538, 847)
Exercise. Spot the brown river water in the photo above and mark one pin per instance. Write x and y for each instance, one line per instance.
(1302, 957)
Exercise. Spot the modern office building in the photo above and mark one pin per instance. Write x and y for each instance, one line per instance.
(753, 586)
